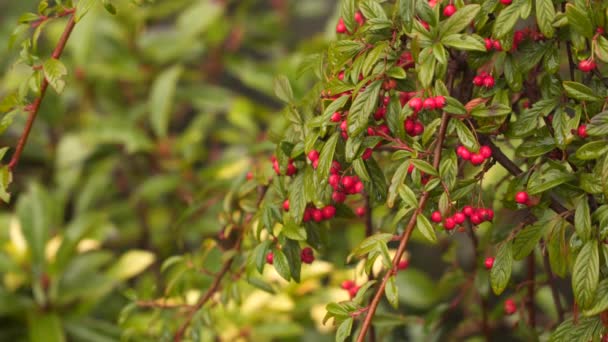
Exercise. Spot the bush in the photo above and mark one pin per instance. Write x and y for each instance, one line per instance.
(434, 170)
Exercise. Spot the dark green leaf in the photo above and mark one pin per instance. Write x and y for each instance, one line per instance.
(579, 20)
(580, 91)
(426, 229)
(545, 14)
(161, 99)
(592, 150)
(362, 108)
(282, 89)
(465, 136)
(506, 19)
(281, 264)
(398, 178)
(526, 240)
(424, 167)
(326, 156)
(582, 219)
(459, 21)
(297, 198)
(464, 42)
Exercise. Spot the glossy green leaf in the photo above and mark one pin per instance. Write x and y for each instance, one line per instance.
(501, 270)
(585, 274)
(425, 228)
(161, 99)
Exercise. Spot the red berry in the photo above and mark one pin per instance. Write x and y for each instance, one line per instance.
(478, 81)
(489, 47)
(496, 45)
(586, 65)
(522, 197)
(463, 153)
(359, 18)
(582, 131)
(449, 10)
(338, 197)
(386, 100)
(336, 117)
(488, 81)
(510, 306)
(449, 223)
(334, 180)
(360, 211)
(380, 113)
(367, 153)
(428, 104)
(291, 169)
(418, 128)
(249, 175)
(313, 155)
(485, 151)
(286, 205)
(347, 181)
(317, 215)
(477, 159)
(344, 125)
(467, 210)
(270, 258)
(358, 187)
(341, 27)
(329, 212)
(459, 218)
(489, 262)
(341, 75)
(416, 104)
(353, 291)
(403, 264)
(410, 168)
(506, 2)
(436, 217)
(425, 25)
(476, 218)
(408, 125)
(307, 255)
(348, 284)
(439, 101)
(335, 167)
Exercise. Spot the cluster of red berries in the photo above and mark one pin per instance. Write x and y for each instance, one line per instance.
(475, 215)
(341, 27)
(406, 61)
(351, 287)
(484, 153)
(522, 197)
(318, 215)
(492, 44)
(484, 80)
(307, 256)
(291, 168)
(413, 127)
(587, 65)
(313, 156)
(343, 185)
(430, 103)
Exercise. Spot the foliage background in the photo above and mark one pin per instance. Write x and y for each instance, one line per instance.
(166, 105)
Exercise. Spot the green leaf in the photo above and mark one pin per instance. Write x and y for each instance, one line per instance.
(348, 14)
(34, 212)
(373, 57)
(598, 125)
(297, 198)
(130, 264)
(326, 156)
(426, 67)
(344, 329)
(392, 292)
(44, 327)
(582, 219)
(260, 253)
(408, 196)
(526, 240)
(464, 42)
(507, 19)
(109, 7)
(586, 329)
(54, 71)
(501, 270)
(361, 170)
(293, 252)
(545, 14)
(424, 167)
(371, 243)
(398, 178)
(558, 250)
(592, 150)
(465, 136)
(161, 99)
(281, 264)
(82, 7)
(585, 274)
(426, 229)
(282, 89)
(601, 299)
(580, 91)
(407, 11)
(543, 181)
(579, 21)
(459, 21)
(536, 146)
(601, 48)
(372, 9)
(292, 231)
(362, 107)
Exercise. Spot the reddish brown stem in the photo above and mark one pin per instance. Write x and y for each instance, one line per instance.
(369, 231)
(35, 107)
(405, 237)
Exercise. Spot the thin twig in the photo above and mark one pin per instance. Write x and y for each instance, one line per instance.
(35, 107)
(369, 231)
(554, 291)
(405, 236)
